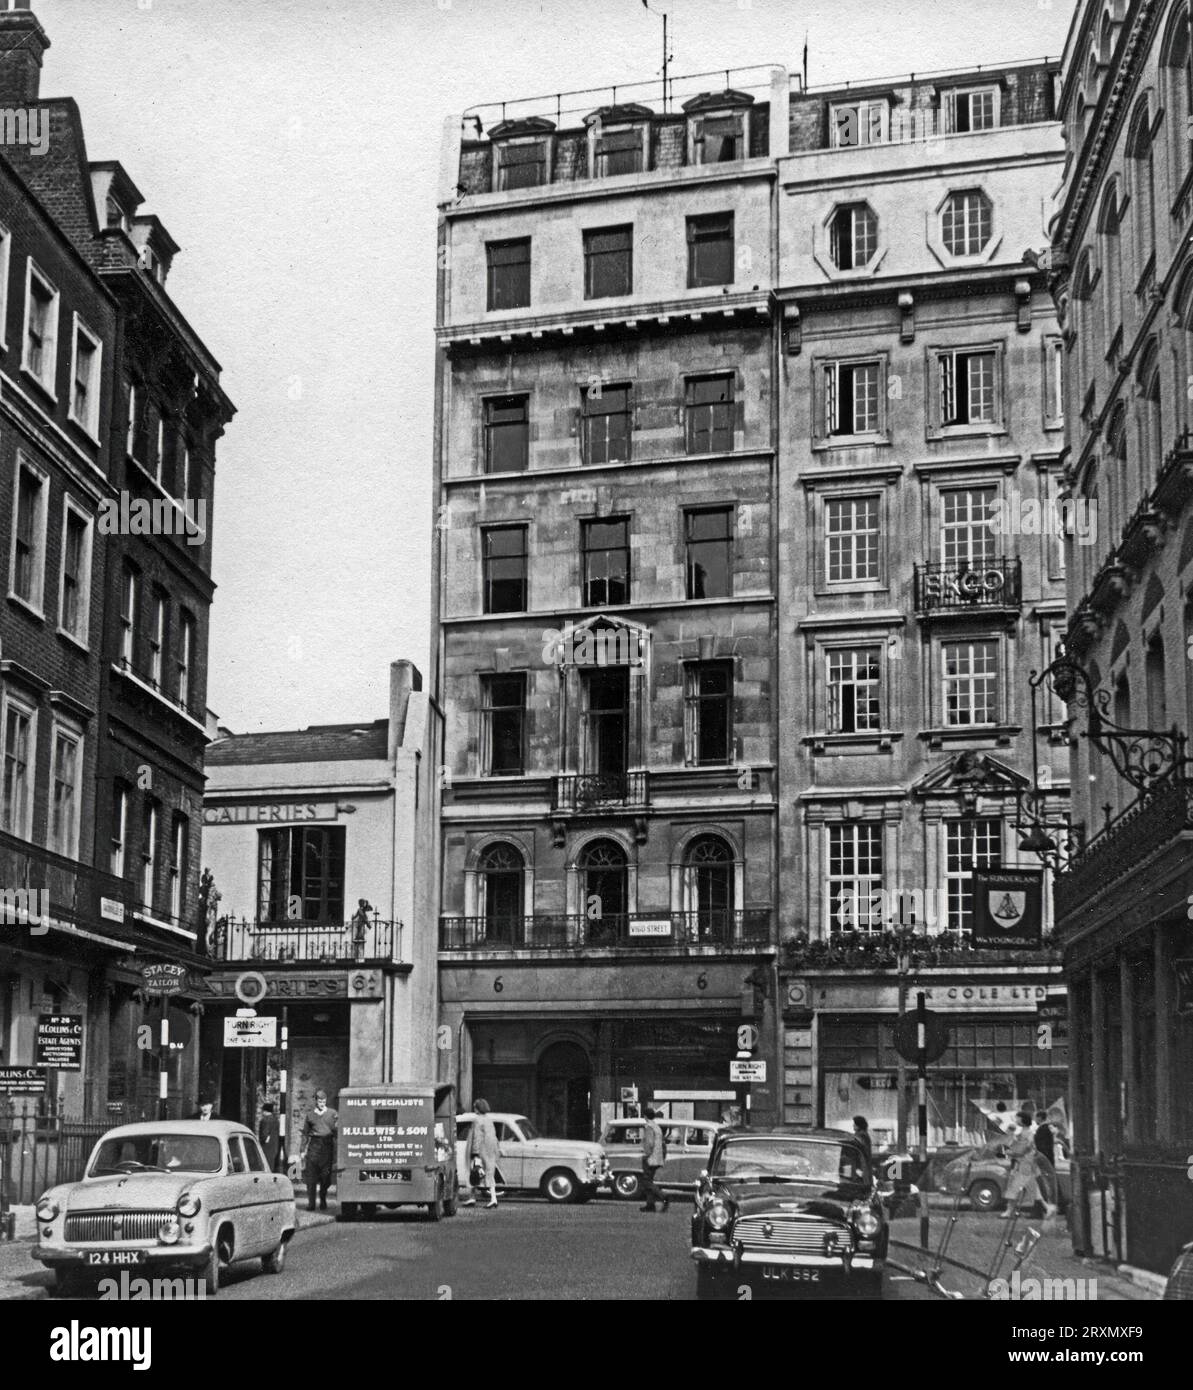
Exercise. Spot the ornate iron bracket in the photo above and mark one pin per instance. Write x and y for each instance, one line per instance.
(1141, 757)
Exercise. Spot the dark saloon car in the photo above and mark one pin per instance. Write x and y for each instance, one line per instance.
(787, 1207)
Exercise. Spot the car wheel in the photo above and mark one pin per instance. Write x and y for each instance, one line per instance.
(217, 1263)
(985, 1195)
(435, 1208)
(627, 1186)
(276, 1262)
(560, 1186)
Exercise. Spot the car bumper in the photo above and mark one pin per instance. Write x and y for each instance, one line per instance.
(742, 1259)
(155, 1257)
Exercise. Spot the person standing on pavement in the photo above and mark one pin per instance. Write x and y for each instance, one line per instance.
(654, 1155)
(319, 1149)
(861, 1132)
(483, 1152)
(269, 1134)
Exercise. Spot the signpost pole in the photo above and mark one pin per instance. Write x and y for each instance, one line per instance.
(901, 1064)
(163, 1080)
(921, 1076)
(284, 1091)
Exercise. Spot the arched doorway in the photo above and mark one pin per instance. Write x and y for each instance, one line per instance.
(564, 1092)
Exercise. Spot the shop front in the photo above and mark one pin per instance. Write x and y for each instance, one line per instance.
(1007, 1048)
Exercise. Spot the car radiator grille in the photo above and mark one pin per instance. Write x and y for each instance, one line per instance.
(88, 1226)
(790, 1235)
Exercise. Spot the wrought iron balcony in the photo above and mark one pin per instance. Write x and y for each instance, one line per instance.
(1153, 821)
(584, 793)
(634, 931)
(237, 939)
(992, 587)
(75, 893)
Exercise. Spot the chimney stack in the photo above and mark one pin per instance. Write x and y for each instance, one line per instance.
(22, 43)
(404, 677)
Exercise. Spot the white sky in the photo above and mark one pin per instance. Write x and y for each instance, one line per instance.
(291, 147)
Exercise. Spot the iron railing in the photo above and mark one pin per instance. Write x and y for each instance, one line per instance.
(627, 931)
(38, 1150)
(322, 943)
(1152, 821)
(583, 792)
(992, 584)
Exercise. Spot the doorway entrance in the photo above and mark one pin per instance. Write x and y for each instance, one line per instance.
(564, 1092)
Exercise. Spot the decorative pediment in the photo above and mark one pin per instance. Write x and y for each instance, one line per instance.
(602, 640)
(974, 774)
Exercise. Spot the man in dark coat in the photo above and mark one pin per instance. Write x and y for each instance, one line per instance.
(269, 1133)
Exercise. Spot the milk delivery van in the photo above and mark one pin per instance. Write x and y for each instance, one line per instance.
(397, 1147)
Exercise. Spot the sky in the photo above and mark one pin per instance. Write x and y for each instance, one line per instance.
(291, 148)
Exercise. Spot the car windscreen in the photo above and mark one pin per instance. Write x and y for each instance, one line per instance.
(793, 1159)
(164, 1153)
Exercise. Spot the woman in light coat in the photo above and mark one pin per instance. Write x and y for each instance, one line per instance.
(484, 1148)
(1025, 1170)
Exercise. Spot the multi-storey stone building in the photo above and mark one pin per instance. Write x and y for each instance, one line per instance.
(920, 437)
(1124, 288)
(605, 483)
(112, 407)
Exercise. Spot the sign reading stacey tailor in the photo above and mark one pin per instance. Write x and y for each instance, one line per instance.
(60, 1041)
(1007, 907)
(382, 1133)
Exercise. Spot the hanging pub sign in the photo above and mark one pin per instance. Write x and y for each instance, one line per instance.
(1007, 907)
(1183, 970)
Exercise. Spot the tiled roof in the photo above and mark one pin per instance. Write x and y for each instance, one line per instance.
(321, 743)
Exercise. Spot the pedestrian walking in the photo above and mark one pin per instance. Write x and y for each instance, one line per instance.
(861, 1132)
(319, 1149)
(483, 1153)
(269, 1133)
(1025, 1169)
(654, 1155)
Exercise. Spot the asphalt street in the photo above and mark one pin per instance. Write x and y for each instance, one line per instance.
(526, 1249)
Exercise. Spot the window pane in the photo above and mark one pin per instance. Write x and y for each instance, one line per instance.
(509, 274)
(709, 414)
(608, 262)
(507, 434)
(851, 532)
(606, 563)
(710, 250)
(505, 569)
(709, 559)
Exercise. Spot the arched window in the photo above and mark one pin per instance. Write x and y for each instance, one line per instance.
(1110, 249)
(1118, 487)
(500, 882)
(1151, 429)
(708, 888)
(1106, 38)
(1081, 318)
(1157, 695)
(1177, 92)
(1141, 161)
(605, 891)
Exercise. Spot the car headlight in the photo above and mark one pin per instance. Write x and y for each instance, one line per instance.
(46, 1209)
(865, 1222)
(188, 1204)
(718, 1214)
(170, 1232)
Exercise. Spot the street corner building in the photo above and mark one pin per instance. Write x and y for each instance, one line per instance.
(1123, 282)
(107, 396)
(920, 434)
(605, 591)
(320, 847)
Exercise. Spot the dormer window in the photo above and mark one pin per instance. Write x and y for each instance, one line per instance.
(522, 154)
(719, 127)
(618, 140)
(971, 108)
(853, 123)
(117, 217)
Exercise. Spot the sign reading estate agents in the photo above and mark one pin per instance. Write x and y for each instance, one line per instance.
(60, 1041)
(1007, 907)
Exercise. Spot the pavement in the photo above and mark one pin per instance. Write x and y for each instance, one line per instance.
(990, 1247)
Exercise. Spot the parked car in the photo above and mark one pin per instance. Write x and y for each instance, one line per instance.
(788, 1207)
(563, 1170)
(689, 1144)
(982, 1175)
(168, 1196)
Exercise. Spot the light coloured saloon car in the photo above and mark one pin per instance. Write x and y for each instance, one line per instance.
(563, 1170)
(170, 1196)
